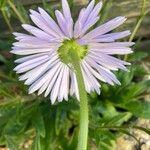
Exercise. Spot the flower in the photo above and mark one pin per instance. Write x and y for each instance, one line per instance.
(46, 48)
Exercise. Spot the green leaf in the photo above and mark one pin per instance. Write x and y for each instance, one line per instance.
(5, 90)
(118, 119)
(104, 146)
(38, 122)
(14, 127)
(126, 77)
(2, 59)
(60, 120)
(5, 45)
(11, 143)
(139, 108)
(137, 56)
(130, 92)
(140, 70)
(104, 139)
(5, 115)
(142, 129)
(129, 134)
(106, 109)
(48, 141)
(36, 143)
(74, 140)
(2, 3)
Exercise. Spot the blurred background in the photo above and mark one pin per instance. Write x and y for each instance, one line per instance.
(119, 117)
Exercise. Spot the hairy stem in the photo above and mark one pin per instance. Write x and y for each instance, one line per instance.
(83, 128)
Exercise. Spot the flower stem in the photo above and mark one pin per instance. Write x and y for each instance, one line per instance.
(138, 24)
(83, 127)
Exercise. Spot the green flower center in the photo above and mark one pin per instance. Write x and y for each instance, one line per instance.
(64, 51)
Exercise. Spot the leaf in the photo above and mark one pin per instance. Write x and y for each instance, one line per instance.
(72, 104)
(126, 78)
(5, 90)
(74, 140)
(11, 120)
(106, 109)
(142, 129)
(5, 115)
(11, 143)
(106, 140)
(2, 59)
(104, 146)
(140, 70)
(5, 45)
(130, 92)
(14, 127)
(118, 119)
(139, 108)
(137, 56)
(129, 134)
(38, 122)
(2, 3)
(103, 137)
(36, 143)
(47, 141)
(60, 120)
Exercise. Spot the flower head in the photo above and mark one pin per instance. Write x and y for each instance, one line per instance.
(46, 64)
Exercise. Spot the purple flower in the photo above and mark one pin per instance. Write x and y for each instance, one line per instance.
(43, 69)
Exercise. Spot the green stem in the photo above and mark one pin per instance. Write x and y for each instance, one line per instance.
(142, 15)
(7, 20)
(137, 26)
(83, 130)
(16, 11)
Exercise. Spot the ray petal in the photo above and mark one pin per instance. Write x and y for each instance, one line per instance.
(105, 28)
